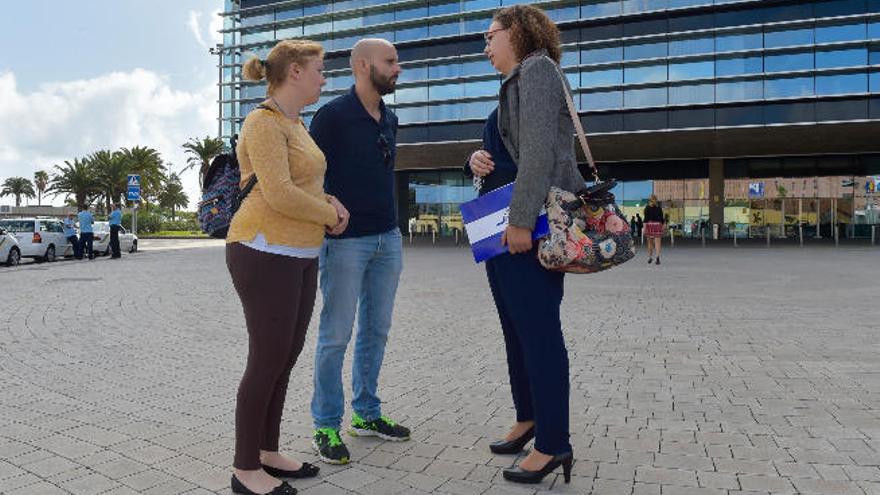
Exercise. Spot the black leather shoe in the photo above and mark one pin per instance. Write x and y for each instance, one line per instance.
(513, 446)
(520, 475)
(306, 471)
(282, 489)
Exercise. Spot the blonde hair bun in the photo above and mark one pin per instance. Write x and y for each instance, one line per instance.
(254, 69)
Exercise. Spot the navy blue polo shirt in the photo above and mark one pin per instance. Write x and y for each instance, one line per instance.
(360, 162)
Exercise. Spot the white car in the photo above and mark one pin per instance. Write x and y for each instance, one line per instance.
(10, 254)
(127, 240)
(40, 238)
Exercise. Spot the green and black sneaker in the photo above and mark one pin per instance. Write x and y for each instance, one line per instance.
(383, 428)
(328, 444)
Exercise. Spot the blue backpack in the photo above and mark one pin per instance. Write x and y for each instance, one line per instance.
(221, 195)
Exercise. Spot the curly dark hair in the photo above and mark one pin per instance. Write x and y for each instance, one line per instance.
(530, 30)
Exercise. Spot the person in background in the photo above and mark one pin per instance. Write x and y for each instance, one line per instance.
(639, 225)
(632, 225)
(86, 233)
(654, 221)
(70, 234)
(115, 221)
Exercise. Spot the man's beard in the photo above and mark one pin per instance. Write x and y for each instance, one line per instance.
(383, 85)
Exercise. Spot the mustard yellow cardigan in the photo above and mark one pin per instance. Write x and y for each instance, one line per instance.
(288, 205)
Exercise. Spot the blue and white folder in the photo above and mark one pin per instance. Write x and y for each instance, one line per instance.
(485, 219)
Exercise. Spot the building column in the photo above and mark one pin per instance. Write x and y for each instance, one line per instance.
(716, 191)
(401, 193)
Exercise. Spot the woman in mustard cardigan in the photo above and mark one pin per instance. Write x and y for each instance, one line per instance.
(272, 254)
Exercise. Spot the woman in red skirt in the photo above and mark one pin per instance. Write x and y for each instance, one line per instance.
(653, 228)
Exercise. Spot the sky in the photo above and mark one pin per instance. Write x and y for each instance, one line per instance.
(78, 77)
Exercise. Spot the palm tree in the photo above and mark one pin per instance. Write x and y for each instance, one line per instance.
(41, 180)
(18, 187)
(148, 164)
(201, 152)
(173, 195)
(77, 179)
(111, 170)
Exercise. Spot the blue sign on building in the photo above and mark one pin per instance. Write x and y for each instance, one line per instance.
(134, 187)
(756, 189)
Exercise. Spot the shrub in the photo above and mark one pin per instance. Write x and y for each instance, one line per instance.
(148, 221)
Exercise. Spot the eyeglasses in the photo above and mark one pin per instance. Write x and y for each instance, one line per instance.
(385, 149)
(488, 35)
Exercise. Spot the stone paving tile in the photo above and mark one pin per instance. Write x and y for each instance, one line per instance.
(12, 485)
(772, 484)
(691, 380)
(40, 488)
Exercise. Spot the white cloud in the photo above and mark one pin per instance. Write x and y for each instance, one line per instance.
(65, 120)
(207, 31)
(195, 27)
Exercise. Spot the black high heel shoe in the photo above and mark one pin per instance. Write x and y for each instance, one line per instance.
(520, 475)
(305, 471)
(283, 489)
(512, 446)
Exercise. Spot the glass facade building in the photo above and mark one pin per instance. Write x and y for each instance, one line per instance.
(718, 90)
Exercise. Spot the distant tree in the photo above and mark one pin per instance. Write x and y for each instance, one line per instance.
(201, 152)
(77, 179)
(173, 195)
(41, 180)
(18, 187)
(111, 171)
(147, 163)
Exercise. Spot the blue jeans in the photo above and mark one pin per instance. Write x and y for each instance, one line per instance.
(357, 275)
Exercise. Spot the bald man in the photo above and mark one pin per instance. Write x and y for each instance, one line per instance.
(360, 268)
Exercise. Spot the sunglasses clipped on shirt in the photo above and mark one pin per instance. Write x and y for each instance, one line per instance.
(385, 148)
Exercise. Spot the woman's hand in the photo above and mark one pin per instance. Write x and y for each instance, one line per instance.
(342, 216)
(517, 239)
(481, 163)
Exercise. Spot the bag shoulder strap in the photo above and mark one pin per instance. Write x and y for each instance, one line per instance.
(578, 126)
(253, 180)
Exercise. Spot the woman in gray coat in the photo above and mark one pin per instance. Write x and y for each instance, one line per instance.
(529, 140)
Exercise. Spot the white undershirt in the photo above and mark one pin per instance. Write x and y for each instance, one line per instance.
(260, 244)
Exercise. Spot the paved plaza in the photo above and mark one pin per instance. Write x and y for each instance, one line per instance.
(724, 371)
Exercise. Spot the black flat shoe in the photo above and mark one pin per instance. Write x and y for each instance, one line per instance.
(513, 446)
(520, 475)
(282, 489)
(306, 471)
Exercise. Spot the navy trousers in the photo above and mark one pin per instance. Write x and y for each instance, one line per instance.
(528, 297)
(86, 241)
(74, 241)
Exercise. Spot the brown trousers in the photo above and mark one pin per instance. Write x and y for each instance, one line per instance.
(278, 294)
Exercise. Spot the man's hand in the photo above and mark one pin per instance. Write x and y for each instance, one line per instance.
(481, 163)
(517, 239)
(342, 216)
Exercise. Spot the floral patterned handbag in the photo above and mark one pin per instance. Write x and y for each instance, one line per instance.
(588, 233)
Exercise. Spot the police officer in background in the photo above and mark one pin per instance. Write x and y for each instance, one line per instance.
(70, 234)
(115, 221)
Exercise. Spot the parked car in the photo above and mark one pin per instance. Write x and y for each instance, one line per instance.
(40, 238)
(10, 253)
(127, 240)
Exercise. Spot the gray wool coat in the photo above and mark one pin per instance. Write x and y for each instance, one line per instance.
(537, 130)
